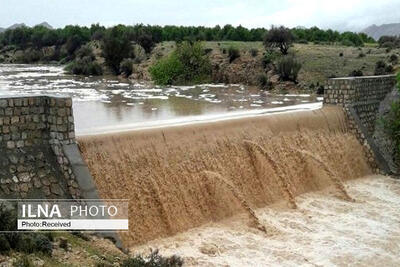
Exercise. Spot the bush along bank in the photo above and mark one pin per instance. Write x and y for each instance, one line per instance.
(187, 64)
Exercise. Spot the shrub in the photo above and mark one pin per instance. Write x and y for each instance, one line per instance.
(356, 73)
(4, 244)
(279, 37)
(126, 67)
(73, 43)
(380, 68)
(389, 69)
(29, 56)
(186, 64)
(388, 45)
(23, 261)
(394, 59)
(233, 53)
(116, 46)
(263, 82)
(320, 90)
(34, 242)
(84, 66)
(361, 55)
(288, 68)
(389, 41)
(84, 63)
(166, 70)
(42, 243)
(253, 52)
(153, 260)
(347, 42)
(146, 41)
(207, 50)
(302, 41)
(27, 244)
(269, 57)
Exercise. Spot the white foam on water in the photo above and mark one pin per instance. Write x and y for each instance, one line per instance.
(323, 231)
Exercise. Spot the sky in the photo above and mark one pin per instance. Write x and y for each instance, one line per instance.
(336, 14)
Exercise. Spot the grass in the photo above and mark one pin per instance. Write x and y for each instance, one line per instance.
(322, 61)
(319, 62)
(80, 254)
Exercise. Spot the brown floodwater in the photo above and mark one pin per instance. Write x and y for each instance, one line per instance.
(178, 178)
(108, 104)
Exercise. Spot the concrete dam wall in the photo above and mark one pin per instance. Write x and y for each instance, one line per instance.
(178, 178)
(362, 98)
(38, 152)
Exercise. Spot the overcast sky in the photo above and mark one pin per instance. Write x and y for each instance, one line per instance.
(337, 14)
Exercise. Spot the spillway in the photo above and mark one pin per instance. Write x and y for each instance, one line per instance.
(178, 178)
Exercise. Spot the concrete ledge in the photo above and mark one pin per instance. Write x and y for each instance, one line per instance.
(81, 171)
(86, 183)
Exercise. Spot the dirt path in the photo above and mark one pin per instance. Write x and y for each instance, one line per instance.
(323, 231)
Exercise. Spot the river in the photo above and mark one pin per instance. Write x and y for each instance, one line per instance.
(107, 104)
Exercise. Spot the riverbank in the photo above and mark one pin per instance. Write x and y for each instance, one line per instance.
(319, 62)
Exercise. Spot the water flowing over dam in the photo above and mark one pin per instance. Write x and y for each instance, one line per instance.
(179, 178)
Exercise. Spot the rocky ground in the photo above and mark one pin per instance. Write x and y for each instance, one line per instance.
(71, 250)
(319, 62)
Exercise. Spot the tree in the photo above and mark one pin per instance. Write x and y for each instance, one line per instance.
(116, 46)
(145, 40)
(279, 37)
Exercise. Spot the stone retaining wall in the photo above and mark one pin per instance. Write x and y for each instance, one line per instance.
(33, 133)
(361, 98)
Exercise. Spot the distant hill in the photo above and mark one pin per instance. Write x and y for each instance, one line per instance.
(18, 25)
(45, 24)
(385, 29)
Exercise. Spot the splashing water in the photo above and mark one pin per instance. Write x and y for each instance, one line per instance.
(337, 181)
(179, 178)
(255, 222)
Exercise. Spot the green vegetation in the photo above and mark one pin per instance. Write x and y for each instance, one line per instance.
(68, 39)
(187, 64)
(288, 68)
(356, 73)
(262, 81)
(126, 67)
(84, 63)
(389, 42)
(280, 37)
(116, 46)
(381, 68)
(233, 53)
(392, 123)
(153, 260)
(22, 242)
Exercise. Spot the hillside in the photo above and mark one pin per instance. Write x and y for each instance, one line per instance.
(385, 29)
(18, 25)
(319, 62)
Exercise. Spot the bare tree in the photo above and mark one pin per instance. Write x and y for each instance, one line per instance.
(280, 37)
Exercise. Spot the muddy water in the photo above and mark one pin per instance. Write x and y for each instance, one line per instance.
(183, 177)
(108, 104)
(323, 231)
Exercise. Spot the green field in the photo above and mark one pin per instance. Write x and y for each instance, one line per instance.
(319, 62)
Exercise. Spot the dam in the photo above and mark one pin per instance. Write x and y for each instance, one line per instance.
(181, 177)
